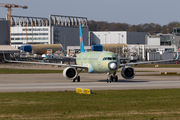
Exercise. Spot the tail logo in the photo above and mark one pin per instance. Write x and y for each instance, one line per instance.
(80, 39)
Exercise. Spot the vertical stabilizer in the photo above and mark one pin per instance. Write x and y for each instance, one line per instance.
(81, 40)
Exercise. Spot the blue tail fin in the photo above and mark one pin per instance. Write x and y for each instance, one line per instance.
(81, 40)
(177, 55)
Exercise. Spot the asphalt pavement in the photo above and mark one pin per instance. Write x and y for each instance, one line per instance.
(56, 82)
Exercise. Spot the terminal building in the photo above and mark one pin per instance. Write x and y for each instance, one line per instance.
(56, 29)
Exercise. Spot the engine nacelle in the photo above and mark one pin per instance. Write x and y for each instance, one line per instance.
(128, 72)
(70, 73)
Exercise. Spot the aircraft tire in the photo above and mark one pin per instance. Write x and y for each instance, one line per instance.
(78, 79)
(111, 79)
(116, 78)
(74, 80)
(107, 81)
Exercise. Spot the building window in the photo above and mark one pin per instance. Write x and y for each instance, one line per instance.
(21, 34)
(42, 29)
(40, 38)
(17, 38)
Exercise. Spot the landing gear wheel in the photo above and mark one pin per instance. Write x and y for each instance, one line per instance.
(111, 79)
(78, 78)
(116, 78)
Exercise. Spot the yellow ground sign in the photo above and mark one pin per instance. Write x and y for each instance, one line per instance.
(171, 73)
(86, 91)
(83, 91)
(162, 73)
(168, 73)
(79, 90)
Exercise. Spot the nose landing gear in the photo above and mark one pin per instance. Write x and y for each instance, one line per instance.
(110, 77)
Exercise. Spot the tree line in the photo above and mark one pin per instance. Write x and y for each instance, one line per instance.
(151, 28)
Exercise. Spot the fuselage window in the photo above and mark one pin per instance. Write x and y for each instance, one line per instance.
(109, 58)
(104, 58)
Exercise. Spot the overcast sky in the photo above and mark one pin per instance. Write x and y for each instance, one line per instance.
(122, 11)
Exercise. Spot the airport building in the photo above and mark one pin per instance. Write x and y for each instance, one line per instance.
(5, 47)
(176, 36)
(162, 42)
(140, 45)
(56, 29)
(112, 37)
(4, 32)
(64, 30)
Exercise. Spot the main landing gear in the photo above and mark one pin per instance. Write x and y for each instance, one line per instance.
(77, 77)
(110, 77)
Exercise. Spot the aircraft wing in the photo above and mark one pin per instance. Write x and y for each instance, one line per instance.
(68, 57)
(146, 62)
(44, 63)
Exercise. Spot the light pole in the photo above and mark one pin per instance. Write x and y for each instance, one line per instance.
(119, 42)
(64, 42)
(105, 41)
(32, 32)
(122, 44)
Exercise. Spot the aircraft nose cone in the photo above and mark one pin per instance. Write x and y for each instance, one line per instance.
(112, 65)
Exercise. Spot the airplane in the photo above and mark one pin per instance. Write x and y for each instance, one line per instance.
(96, 62)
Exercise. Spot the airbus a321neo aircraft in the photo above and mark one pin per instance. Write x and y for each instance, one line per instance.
(96, 62)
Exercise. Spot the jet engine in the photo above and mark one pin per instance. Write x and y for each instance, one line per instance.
(128, 72)
(70, 72)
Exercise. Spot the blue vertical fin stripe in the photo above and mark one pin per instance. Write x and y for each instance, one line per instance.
(81, 40)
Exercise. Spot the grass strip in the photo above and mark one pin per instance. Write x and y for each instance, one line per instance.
(158, 75)
(28, 71)
(144, 71)
(159, 65)
(110, 104)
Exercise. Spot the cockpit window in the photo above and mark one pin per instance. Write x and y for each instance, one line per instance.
(109, 58)
(104, 58)
(114, 58)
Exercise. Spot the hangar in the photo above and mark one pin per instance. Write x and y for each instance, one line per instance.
(56, 29)
(109, 37)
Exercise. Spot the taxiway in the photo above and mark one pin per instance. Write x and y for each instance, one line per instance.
(56, 82)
